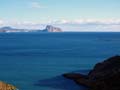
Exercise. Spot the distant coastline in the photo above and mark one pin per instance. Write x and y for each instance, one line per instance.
(49, 28)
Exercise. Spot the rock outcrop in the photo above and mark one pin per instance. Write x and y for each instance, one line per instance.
(5, 86)
(104, 76)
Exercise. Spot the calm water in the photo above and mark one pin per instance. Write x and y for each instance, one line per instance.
(36, 61)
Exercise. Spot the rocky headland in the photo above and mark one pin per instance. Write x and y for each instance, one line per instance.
(104, 76)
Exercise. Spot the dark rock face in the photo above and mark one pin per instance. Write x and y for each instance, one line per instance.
(104, 76)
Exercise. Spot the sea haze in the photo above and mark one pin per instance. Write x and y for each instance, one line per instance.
(36, 61)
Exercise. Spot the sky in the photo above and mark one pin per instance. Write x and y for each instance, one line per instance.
(70, 15)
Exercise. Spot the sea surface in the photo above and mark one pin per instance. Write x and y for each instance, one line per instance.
(36, 61)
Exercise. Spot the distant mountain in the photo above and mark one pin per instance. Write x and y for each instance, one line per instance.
(10, 29)
(6, 28)
(49, 28)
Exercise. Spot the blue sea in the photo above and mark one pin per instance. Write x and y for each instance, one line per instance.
(36, 61)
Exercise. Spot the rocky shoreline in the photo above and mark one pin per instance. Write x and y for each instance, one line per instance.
(104, 76)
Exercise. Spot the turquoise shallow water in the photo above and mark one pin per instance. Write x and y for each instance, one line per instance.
(36, 61)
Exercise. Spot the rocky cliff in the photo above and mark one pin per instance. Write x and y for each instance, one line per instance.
(104, 76)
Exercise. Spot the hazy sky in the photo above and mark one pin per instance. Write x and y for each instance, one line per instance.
(73, 13)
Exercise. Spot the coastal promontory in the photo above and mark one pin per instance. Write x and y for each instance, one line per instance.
(104, 76)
